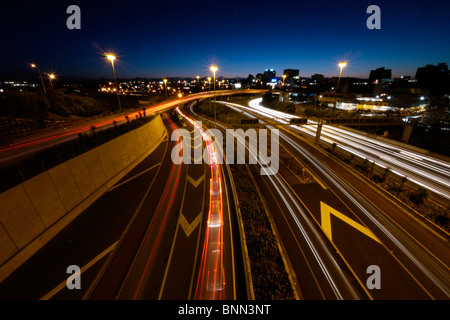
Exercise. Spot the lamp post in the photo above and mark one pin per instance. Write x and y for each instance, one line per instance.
(284, 77)
(209, 89)
(165, 87)
(214, 69)
(341, 65)
(111, 58)
(51, 77)
(39, 71)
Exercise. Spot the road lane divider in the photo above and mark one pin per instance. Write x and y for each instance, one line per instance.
(134, 177)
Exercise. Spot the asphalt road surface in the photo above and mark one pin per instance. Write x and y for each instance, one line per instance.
(343, 226)
(145, 238)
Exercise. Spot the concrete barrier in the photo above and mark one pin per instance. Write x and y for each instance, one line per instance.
(34, 211)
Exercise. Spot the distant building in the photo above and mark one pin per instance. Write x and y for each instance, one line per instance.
(291, 73)
(435, 78)
(380, 75)
(16, 85)
(317, 77)
(268, 75)
(430, 72)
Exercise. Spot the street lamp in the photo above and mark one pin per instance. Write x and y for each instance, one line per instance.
(214, 69)
(51, 77)
(209, 89)
(39, 71)
(284, 77)
(111, 58)
(165, 86)
(341, 65)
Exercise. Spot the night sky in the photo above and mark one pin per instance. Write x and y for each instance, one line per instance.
(183, 38)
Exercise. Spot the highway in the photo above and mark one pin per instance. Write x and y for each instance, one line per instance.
(165, 231)
(365, 226)
(315, 261)
(429, 172)
(168, 230)
(421, 169)
(187, 251)
(11, 150)
(414, 268)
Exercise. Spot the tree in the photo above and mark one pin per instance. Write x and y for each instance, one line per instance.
(386, 172)
(437, 111)
(267, 98)
(402, 183)
(422, 194)
(333, 147)
(250, 79)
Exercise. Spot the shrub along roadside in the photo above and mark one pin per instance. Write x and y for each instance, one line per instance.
(270, 280)
(269, 276)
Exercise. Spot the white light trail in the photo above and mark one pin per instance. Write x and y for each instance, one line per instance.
(424, 170)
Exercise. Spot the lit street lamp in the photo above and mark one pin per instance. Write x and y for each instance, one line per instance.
(284, 77)
(51, 77)
(111, 58)
(214, 69)
(39, 71)
(209, 89)
(165, 86)
(341, 65)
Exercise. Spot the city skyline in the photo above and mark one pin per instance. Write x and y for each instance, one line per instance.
(182, 39)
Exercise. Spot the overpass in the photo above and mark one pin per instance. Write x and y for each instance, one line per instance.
(12, 150)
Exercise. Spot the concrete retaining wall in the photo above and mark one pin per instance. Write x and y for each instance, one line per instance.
(34, 211)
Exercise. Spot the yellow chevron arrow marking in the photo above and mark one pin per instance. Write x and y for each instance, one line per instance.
(198, 145)
(195, 183)
(325, 213)
(188, 227)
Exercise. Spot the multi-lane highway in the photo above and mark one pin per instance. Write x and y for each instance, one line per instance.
(165, 231)
(168, 230)
(186, 251)
(13, 149)
(362, 227)
(421, 169)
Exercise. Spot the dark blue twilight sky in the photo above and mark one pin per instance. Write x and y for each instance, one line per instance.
(182, 38)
